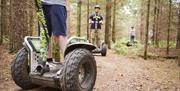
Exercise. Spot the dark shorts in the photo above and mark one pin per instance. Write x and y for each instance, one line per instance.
(98, 26)
(55, 16)
(132, 38)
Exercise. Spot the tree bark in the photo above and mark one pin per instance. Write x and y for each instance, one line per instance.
(79, 18)
(1, 38)
(19, 24)
(88, 32)
(178, 36)
(4, 18)
(69, 19)
(108, 24)
(114, 23)
(157, 24)
(169, 27)
(147, 30)
(178, 28)
(31, 17)
(142, 22)
(154, 21)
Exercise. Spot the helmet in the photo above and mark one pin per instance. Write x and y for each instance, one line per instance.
(97, 6)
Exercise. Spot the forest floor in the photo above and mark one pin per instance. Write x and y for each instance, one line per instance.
(115, 73)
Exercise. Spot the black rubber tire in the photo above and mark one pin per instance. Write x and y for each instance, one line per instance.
(73, 62)
(20, 70)
(104, 49)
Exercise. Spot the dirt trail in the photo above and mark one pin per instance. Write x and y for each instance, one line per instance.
(117, 73)
(125, 74)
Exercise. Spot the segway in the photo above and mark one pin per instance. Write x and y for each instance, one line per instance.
(76, 73)
(103, 47)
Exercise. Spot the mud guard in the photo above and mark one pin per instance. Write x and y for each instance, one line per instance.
(84, 45)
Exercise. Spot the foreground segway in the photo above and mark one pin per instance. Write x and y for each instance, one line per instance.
(76, 73)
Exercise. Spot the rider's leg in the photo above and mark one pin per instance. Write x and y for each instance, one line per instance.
(59, 27)
(46, 9)
(97, 39)
(131, 39)
(49, 58)
(62, 43)
(90, 36)
(93, 37)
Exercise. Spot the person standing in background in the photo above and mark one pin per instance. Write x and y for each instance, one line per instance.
(132, 34)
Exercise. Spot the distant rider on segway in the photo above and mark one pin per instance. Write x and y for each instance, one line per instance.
(96, 22)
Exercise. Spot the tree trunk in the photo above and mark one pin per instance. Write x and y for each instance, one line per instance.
(1, 38)
(169, 27)
(108, 23)
(114, 23)
(3, 19)
(157, 24)
(88, 32)
(142, 22)
(178, 28)
(69, 19)
(147, 30)
(31, 17)
(154, 21)
(19, 24)
(79, 18)
(178, 36)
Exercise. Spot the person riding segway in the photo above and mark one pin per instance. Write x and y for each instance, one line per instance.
(96, 21)
(32, 66)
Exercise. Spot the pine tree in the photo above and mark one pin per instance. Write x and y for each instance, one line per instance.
(19, 24)
(147, 30)
(79, 18)
(108, 23)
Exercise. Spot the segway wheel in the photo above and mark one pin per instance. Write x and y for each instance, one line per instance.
(20, 70)
(80, 71)
(104, 49)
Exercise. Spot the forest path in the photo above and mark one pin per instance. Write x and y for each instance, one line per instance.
(116, 73)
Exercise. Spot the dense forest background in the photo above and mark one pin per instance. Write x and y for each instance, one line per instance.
(18, 19)
(151, 64)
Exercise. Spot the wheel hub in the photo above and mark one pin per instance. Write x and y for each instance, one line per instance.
(81, 74)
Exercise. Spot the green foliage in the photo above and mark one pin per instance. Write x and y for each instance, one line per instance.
(5, 39)
(121, 48)
(163, 44)
(43, 30)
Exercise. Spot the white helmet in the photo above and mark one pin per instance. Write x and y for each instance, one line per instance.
(97, 6)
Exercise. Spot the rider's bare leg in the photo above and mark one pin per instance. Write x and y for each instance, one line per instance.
(97, 39)
(49, 50)
(62, 43)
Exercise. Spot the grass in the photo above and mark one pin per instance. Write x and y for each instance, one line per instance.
(121, 48)
(5, 39)
(163, 44)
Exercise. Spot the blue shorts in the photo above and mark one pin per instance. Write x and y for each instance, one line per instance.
(56, 16)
